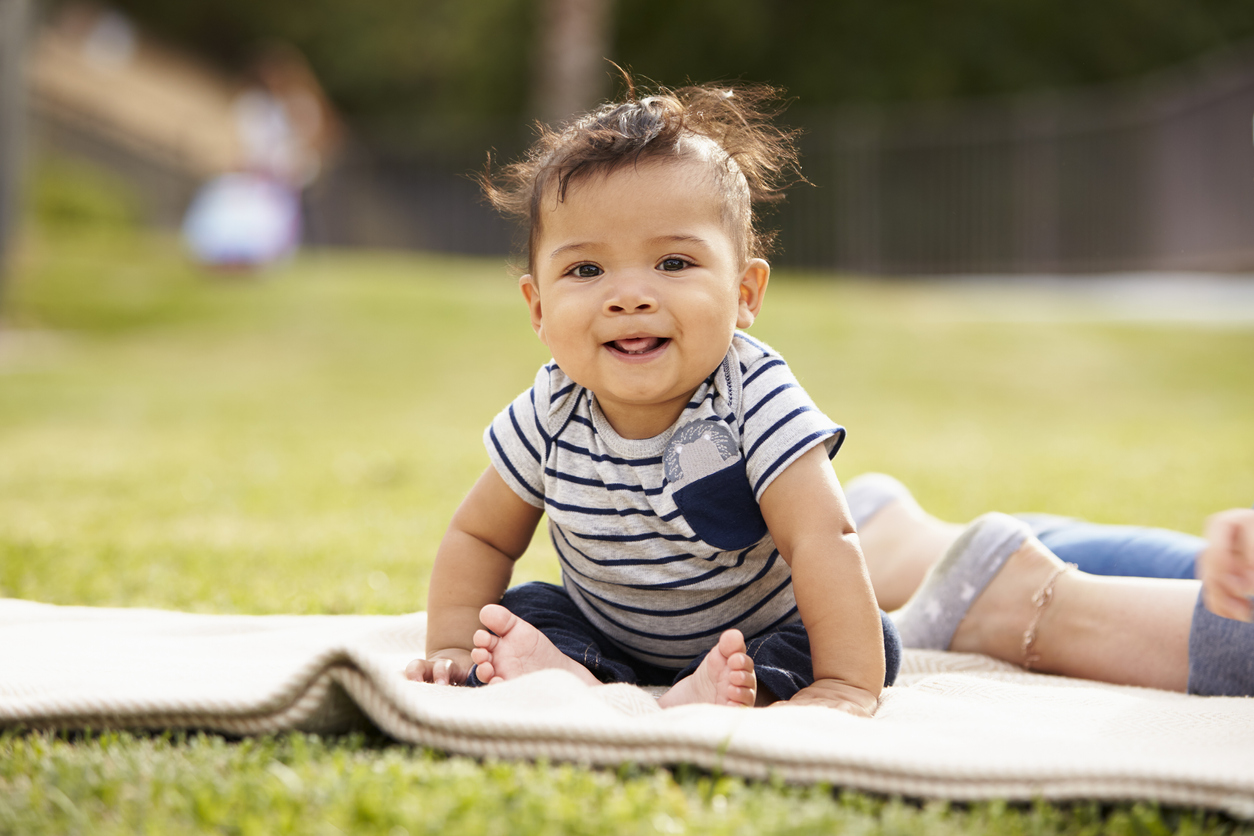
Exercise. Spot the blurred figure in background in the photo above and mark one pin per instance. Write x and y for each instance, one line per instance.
(286, 128)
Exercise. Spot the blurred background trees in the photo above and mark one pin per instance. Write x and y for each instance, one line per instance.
(435, 73)
(942, 137)
(13, 14)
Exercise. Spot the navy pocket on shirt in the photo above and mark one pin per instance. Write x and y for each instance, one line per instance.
(721, 508)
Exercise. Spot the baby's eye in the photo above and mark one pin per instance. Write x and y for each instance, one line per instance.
(586, 271)
(673, 263)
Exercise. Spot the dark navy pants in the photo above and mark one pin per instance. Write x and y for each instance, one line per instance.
(781, 656)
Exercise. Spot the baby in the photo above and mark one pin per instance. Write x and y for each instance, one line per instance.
(704, 540)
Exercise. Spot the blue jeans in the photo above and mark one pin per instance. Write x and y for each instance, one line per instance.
(781, 656)
(1117, 549)
(1221, 650)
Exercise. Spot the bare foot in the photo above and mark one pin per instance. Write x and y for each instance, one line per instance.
(724, 677)
(517, 648)
(900, 543)
(997, 619)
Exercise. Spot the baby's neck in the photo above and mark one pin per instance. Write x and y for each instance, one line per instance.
(637, 421)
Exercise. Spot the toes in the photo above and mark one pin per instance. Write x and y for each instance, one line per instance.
(731, 643)
(497, 619)
(485, 640)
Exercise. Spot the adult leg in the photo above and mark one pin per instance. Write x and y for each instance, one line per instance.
(901, 541)
(1133, 631)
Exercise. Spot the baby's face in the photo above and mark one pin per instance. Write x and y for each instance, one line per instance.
(637, 289)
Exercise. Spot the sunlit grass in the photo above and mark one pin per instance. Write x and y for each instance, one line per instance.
(296, 442)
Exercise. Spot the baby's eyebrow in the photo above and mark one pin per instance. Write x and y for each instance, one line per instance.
(569, 248)
(680, 239)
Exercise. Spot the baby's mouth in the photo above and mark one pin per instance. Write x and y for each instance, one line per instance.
(638, 345)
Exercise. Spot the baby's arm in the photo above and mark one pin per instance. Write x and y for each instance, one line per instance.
(806, 513)
(1226, 566)
(489, 531)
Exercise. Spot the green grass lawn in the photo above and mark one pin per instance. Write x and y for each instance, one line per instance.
(296, 442)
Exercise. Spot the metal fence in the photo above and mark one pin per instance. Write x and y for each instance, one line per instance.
(1156, 175)
(1152, 175)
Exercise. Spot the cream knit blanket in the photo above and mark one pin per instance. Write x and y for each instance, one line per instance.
(955, 726)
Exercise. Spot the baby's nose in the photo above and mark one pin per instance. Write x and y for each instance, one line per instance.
(631, 294)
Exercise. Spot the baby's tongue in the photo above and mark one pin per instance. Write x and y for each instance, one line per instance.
(637, 345)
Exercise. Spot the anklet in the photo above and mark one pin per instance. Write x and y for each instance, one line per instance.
(1041, 599)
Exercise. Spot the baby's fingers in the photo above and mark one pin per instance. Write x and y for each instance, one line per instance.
(419, 670)
(438, 671)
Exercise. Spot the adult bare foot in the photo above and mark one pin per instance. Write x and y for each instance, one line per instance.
(517, 648)
(724, 677)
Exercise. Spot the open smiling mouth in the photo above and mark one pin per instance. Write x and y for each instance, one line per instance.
(637, 345)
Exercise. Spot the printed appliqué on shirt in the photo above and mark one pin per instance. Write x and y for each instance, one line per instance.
(711, 485)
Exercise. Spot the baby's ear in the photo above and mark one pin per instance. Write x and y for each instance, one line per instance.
(531, 292)
(752, 290)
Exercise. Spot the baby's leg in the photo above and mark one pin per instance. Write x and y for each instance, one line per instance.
(724, 677)
(517, 648)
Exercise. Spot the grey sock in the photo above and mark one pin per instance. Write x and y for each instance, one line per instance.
(928, 620)
(868, 493)
(1221, 655)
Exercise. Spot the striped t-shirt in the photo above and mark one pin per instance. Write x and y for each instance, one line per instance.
(661, 541)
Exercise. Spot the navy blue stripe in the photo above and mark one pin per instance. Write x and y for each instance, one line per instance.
(597, 483)
(840, 439)
(535, 417)
(600, 512)
(579, 419)
(496, 442)
(769, 364)
(673, 637)
(775, 625)
(609, 512)
(713, 573)
(805, 442)
(637, 538)
(561, 393)
(768, 398)
(710, 395)
(771, 430)
(513, 419)
(751, 341)
(713, 603)
(583, 451)
(631, 561)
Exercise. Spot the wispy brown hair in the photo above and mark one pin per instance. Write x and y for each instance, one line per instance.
(752, 160)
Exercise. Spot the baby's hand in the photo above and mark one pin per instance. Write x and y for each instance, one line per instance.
(839, 695)
(1226, 567)
(445, 667)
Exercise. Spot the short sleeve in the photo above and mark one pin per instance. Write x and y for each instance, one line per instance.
(518, 441)
(780, 421)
